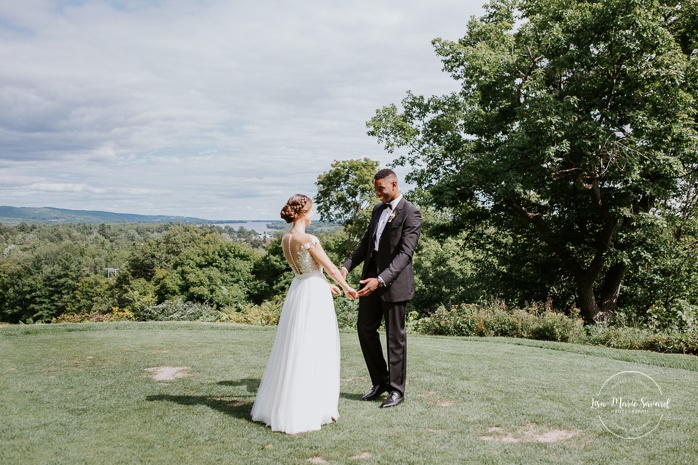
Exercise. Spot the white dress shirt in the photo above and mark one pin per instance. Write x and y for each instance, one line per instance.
(384, 219)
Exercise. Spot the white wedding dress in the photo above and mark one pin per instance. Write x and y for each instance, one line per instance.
(300, 388)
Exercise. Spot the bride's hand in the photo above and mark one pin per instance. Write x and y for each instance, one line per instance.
(352, 294)
(335, 290)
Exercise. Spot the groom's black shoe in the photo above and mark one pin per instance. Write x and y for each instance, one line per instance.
(393, 399)
(375, 391)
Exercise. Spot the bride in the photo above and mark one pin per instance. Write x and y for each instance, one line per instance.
(300, 388)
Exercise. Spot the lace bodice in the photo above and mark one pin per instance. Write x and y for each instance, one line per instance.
(302, 262)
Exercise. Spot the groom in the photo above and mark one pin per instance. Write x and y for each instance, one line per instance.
(387, 284)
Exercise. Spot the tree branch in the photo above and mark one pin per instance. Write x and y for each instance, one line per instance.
(536, 219)
(527, 74)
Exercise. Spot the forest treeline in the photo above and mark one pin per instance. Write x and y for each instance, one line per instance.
(112, 272)
(50, 271)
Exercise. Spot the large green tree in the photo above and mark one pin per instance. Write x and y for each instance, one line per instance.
(345, 195)
(194, 263)
(573, 132)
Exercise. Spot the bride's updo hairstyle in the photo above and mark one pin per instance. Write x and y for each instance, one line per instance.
(295, 206)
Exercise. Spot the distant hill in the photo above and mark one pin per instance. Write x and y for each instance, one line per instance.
(15, 215)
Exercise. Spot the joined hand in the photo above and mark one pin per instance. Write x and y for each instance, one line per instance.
(370, 285)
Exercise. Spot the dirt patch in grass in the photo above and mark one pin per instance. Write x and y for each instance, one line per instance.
(317, 460)
(167, 373)
(443, 403)
(436, 401)
(529, 433)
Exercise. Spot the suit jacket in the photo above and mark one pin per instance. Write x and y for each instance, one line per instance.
(394, 255)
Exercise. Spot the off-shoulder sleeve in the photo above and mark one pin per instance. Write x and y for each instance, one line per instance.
(310, 244)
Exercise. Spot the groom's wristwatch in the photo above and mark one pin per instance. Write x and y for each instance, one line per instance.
(381, 283)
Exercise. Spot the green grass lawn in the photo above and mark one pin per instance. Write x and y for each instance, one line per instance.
(82, 394)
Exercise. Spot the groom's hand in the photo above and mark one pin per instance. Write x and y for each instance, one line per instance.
(344, 272)
(370, 285)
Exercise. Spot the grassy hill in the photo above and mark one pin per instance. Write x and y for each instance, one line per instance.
(15, 215)
(88, 394)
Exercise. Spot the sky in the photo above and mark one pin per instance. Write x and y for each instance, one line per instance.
(216, 109)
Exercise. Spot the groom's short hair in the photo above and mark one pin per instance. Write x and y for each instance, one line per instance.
(384, 173)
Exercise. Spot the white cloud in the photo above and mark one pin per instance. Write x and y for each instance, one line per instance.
(63, 187)
(213, 109)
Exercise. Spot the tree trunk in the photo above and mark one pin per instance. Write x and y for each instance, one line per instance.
(585, 278)
(593, 309)
(586, 297)
(611, 288)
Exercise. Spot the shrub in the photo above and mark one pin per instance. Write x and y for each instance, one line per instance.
(177, 310)
(623, 337)
(269, 312)
(668, 341)
(79, 318)
(114, 315)
(347, 312)
(679, 315)
(552, 326)
(496, 319)
(265, 314)
(674, 342)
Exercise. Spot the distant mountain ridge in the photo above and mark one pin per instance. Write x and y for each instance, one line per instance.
(14, 215)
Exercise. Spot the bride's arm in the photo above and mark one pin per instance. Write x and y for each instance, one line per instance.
(331, 269)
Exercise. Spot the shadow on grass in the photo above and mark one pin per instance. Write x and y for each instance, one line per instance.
(345, 395)
(251, 384)
(234, 407)
(230, 405)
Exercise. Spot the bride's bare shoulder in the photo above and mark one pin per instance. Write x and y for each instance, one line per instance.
(301, 238)
(308, 240)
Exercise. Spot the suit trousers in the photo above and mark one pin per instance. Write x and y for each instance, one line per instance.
(372, 311)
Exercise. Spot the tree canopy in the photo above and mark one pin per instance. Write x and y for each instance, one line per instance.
(573, 134)
(345, 193)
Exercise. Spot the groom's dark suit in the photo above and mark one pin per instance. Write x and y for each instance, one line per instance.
(392, 262)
